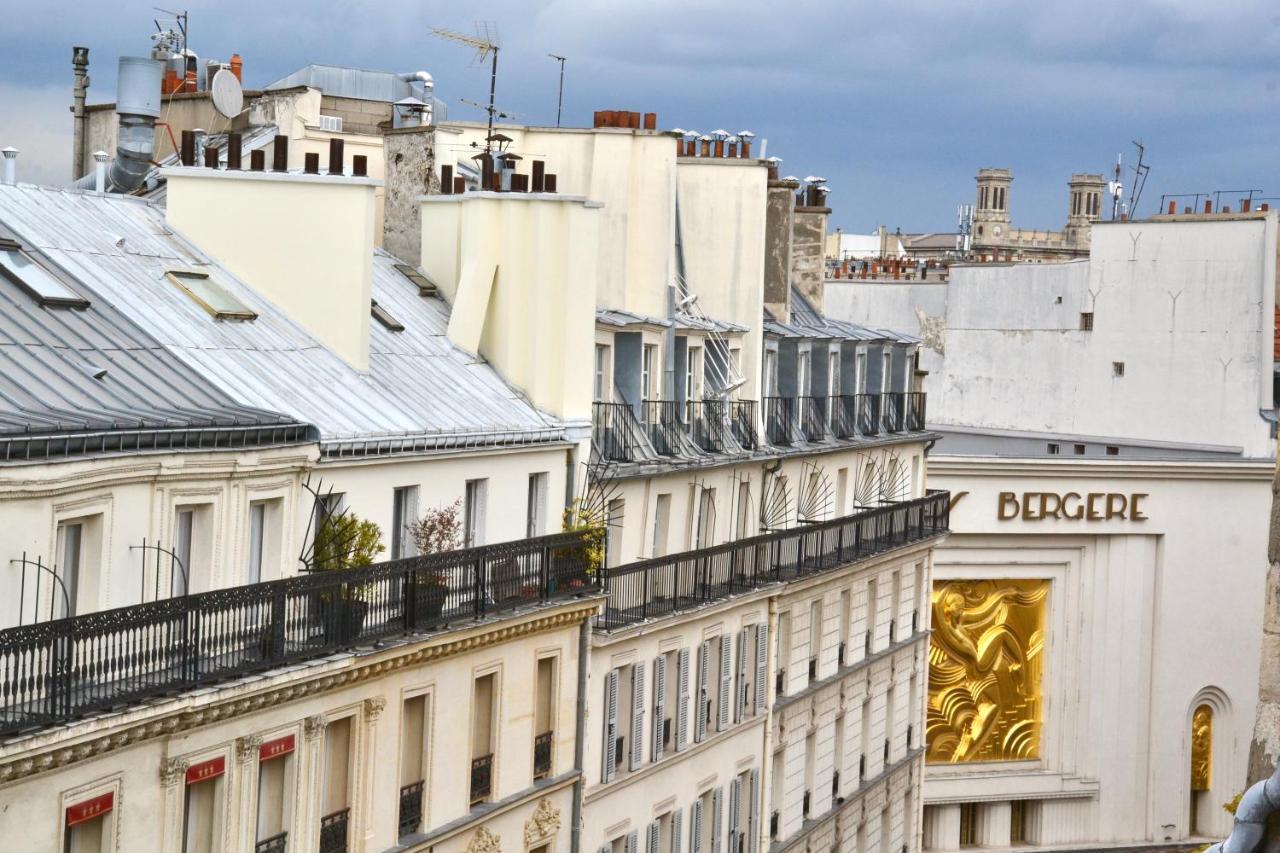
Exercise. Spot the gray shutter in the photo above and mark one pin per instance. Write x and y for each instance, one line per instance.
(632, 844)
(753, 831)
(677, 829)
(762, 667)
(695, 826)
(716, 797)
(606, 848)
(682, 700)
(659, 703)
(744, 687)
(700, 695)
(651, 837)
(610, 722)
(637, 715)
(726, 683)
(735, 800)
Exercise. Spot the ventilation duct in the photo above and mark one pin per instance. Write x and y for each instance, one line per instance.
(138, 105)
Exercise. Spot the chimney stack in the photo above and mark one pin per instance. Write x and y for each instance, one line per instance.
(446, 179)
(1245, 204)
(100, 159)
(10, 165)
(1173, 207)
(234, 146)
(360, 166)
(211, 157)
(188, 149)
(335, 157)
(311, 163)
(539, 175)
(1208, 205)
(257, 160)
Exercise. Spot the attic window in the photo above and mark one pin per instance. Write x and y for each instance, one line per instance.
(38, 282)
(380, 314)
(426, 287)
(210, 295)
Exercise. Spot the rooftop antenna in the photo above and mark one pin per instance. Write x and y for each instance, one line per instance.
(484, 42)
(1139, 177)
(560, 97)
(1116, 189)
(180, 18)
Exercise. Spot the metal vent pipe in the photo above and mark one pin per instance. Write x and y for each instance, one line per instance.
(138, 105)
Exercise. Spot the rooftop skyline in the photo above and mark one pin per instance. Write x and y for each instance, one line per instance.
(897, 110)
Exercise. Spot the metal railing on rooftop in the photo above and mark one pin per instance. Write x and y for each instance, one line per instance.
(55, 671)
(615, 434)
(670, 584)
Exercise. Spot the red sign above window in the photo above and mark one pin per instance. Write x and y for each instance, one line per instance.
(91, 809)
(275, 748)
(206, 770)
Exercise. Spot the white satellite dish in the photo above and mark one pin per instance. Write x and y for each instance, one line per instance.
(228, 96)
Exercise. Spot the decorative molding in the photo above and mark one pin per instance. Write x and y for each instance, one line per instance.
(313, 726)
(544, 823)
(172, 770)
(412, 655)
(247, 748)
(373, 707)
(484, 841)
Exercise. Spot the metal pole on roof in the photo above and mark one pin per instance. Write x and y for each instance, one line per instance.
(560, 97)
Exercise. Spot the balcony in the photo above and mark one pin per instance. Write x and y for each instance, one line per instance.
(277, 843)
(55, 671)
(334, 831)
(481, 778)
(410, 819)
(779, 418)
(665, 585)
(542, 755)
(615, 435)
(812, 413)
(664, 426)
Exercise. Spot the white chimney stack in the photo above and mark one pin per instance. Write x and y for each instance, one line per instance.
(10, 165)
(100, 171)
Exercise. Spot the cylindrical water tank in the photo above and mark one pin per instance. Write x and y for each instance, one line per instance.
(138, 86)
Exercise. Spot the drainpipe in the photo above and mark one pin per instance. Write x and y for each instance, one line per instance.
(579, 739)
(763, 802)
(79, 91)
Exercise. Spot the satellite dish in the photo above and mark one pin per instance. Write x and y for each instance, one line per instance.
(228, 96)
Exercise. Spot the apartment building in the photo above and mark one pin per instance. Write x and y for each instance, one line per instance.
(1108, 436)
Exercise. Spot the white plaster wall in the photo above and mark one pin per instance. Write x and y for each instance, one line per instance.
(1144, 617)
(903, 306)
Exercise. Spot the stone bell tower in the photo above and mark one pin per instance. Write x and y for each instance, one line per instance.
(1085, 205)
(991, 216)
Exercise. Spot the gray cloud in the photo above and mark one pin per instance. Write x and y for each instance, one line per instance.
(897, 104)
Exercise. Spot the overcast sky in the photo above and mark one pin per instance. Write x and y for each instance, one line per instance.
(897, 104)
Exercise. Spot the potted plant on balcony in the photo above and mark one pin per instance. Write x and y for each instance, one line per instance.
(343, 540)
(582, 562)
(437, 531)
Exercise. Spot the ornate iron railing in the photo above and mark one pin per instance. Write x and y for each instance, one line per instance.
(915, 411)
(893, 403)
(813, 417)
(779, 416)
(481, 778)
(58, 670)
(410, 820)
(542, 755)
(334, 831)
(665, 585)
(615, 434)
(867, 413)
(277, 843)
(708, 422)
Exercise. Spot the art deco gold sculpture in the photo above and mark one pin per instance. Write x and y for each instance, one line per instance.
(985, 663)
(1202, 748)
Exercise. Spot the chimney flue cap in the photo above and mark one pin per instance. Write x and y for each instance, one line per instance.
(99, 156)
(679, 131)
(746, 134)
(10, 152)
(719, 134)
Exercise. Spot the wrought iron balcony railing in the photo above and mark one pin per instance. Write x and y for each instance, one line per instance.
(55, 671)
(334, 829)
(779, 417)
(709, 425)
(893, 410)
(665, 585)
(813, 417)
(615, 434)
(542, 755)
(663, 425)
(481, 778)
(742, 423)
(277, 843)
(410, 817)
(915, 411)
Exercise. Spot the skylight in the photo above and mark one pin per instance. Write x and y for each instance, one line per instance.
(210, 295)
(426, 287)
(39, 283)
(380, 314)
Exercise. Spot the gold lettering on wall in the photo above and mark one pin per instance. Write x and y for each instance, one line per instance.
(1070, 506)
(985, 664)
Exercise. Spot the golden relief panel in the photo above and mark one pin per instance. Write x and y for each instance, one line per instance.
(1202, 749)
(986, 658)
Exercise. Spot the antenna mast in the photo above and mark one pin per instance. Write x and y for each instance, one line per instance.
(484, 42)
(1139, 178)
(560, 97)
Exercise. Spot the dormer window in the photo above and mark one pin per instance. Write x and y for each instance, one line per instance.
(380, 314)
(210, 295)
(426, 287)
(38, 283)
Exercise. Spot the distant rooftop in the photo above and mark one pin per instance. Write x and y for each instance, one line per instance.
(357, 83)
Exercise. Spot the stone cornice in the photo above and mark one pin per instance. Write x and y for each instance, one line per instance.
(361, 667)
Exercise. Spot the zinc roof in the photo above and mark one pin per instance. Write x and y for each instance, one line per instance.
(419, 393)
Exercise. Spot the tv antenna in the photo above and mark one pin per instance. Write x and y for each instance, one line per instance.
(485, 44)
(496, 111)
(180, 19)
(560, 97)
(1139, 178)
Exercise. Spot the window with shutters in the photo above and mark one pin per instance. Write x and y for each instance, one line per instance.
(890, 715)
(724, 694)
(837, 759)
(895, 603)
(536, 512)
(864, 742)
(783, 651)
(775, 799)
(870, 614)
(544, 716)
(335, 796)
(404, 512)
(815, 637)
(414, 728)
(761, 698)
(665, 704)
(683, 699)
(810, 768)
(846, 619)
(743, 695)
(473, 510)
(704, 691)
(610, 746)
(484, 701)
